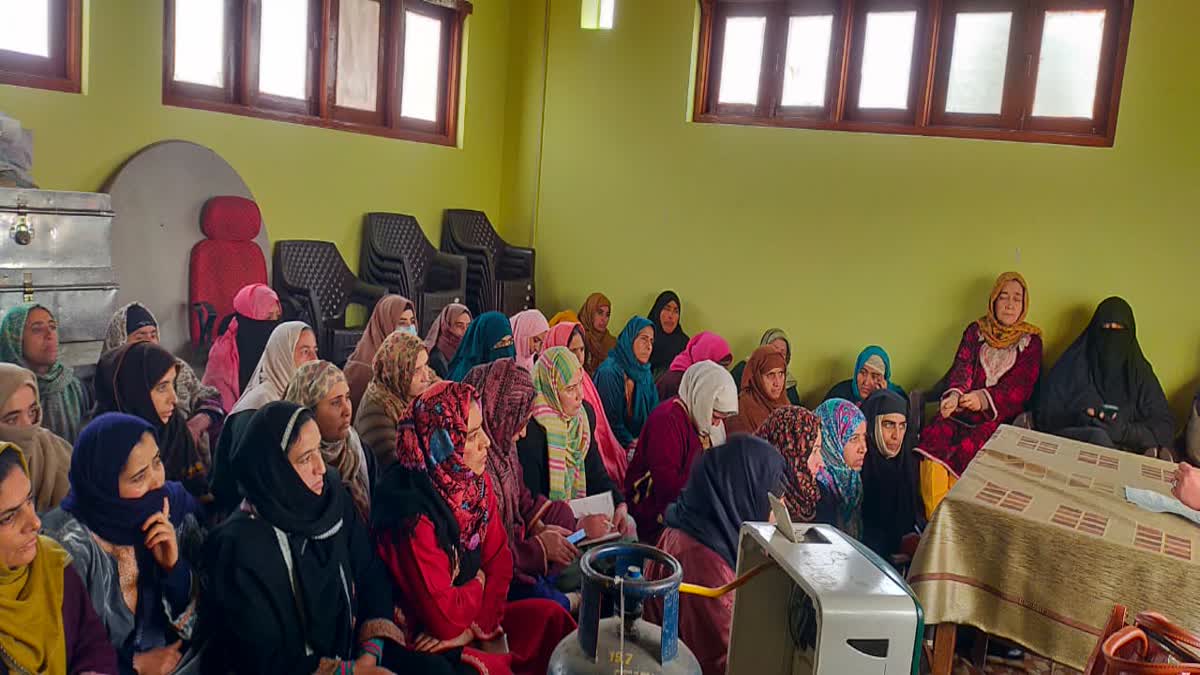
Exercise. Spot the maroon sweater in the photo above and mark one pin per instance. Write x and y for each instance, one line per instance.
(88, 648)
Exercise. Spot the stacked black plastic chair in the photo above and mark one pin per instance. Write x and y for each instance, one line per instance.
(499, 275)
(316, 286)
(397, 255)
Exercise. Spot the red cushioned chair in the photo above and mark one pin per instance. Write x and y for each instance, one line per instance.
(223, 264)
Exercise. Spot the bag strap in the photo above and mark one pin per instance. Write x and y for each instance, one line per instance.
(1116, 621)
(1132, 635)
(1157, 623)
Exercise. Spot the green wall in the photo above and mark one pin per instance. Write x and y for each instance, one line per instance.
(850, 239)
(309, 182)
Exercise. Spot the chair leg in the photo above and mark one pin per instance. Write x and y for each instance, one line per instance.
(944, 638)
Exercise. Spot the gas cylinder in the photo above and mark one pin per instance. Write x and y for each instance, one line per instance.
(625, 643)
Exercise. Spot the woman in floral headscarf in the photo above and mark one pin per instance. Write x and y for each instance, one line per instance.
(843, 449)
(796, 434)
(400, 376)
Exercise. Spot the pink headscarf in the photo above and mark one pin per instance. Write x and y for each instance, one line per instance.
(616, 459)
(705, 346)
(256, 301)
(524, 326)
(441, 333)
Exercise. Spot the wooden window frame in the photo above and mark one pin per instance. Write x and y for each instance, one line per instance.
(62, 70)
(239, 95)
(933, 48)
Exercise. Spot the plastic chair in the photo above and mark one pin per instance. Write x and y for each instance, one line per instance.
(397, 255)
(499, 276)
(222, 264)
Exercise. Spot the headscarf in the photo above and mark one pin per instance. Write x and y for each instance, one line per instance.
(441, 334)
(479, 344)
(525, 325)
(772, 335)
(877, 359)
(31, 605)
(794, 431)
(431, 478)
(565, 316)
(275, 368)
(891, 501)
(384, 320)
(235, 352)
(393, 370)
(1115, 359)
(309, 386)
(621, 363)
(707, 388)
(616, 459)
(728, 486)
(567, 436)
(61, 392)
(100, 455)
(599, 343)
(48, 456)
(506, 398)
(666, 345)
(124, 322)
(754, 405)
(705, 346)
(124, 380)
(839, 419)
(996, 333)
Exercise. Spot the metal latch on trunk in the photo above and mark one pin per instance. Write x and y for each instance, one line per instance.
(27, 286)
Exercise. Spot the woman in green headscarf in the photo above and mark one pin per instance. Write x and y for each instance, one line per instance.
(779, 340)
(29, 338)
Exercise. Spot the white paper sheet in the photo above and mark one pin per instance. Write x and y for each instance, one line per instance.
(588, 506)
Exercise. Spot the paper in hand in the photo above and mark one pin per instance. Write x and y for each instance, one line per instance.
(1160, 503)
(596, 504)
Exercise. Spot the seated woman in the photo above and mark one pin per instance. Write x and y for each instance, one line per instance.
(677, 432)
(445, 335)
(291, 345)
(529, 330)
(393, 313)
(139, 379)
(439, 532)
(487, 338)
(48, 457)
(29, 338)
(1103, 390)
(321, 387)
(126, 528)
(762, 391)
(669, 337)
(594, 317)
(992, 379)
(705, 346)
(625, 384)
(293, 582)
(616, 459)
(843, 451)
(872, 372)
(48, 622)
(892, 507)
(198, 403)
(400, 376)
(796, 433)
(728, 487)
(778, 339)
(238, 347)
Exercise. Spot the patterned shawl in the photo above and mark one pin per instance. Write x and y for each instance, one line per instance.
(567, 437)
(61, 392)
(839, 419)
(393, 370)
(997, 334)
(794, 431)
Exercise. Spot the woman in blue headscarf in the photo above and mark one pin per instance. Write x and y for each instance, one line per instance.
(872, 372)
(488, 338)
(843, 449)
(625, 382)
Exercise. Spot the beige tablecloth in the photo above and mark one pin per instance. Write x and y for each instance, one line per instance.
(1036, 543)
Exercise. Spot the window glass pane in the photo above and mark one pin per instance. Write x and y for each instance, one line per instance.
(741, 61)
(25, 26)
(978, 63)
(422, 67)
(200, 42)
(807, 65)
(607, 12)
(283, 49)
(887, 60)
(1069, 65)
(358, 54)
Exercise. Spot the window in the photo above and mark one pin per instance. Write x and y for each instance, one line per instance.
(598, 14)
(383, 67)
(1024, 70)
(40, 43)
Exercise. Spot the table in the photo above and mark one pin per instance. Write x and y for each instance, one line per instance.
(1036, 543)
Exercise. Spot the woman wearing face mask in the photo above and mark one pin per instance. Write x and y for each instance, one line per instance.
(139, 379)
(594, 317)
(48, 457)
(529, 329)
(123, 524)
(400, 376)
(392, 314)
(438, 531)
(892, 507)
(445, 335)
(796, 433)
(1103, 390)
(994, 373)
(321, 387)
(29, 338)
(762, 391)
(48, 622)
(487, 339)
(705, 346)
(778, 339)
(669, 336)
(872, 372)
(676, 433)
(625, 383)
(843, 450)
(240, 344)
